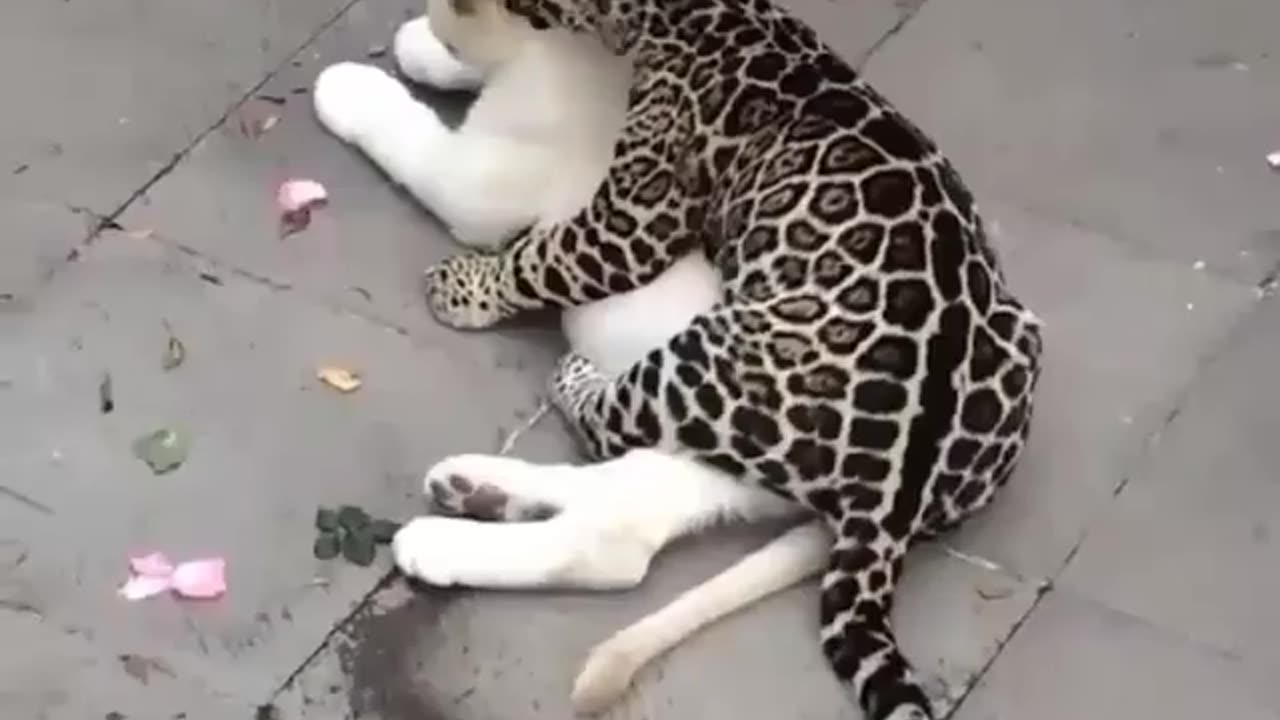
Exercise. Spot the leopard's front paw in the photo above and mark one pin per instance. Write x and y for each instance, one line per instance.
(423, 58)
(464, 292)
(356, 101)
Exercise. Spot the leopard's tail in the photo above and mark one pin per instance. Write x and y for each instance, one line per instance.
(857, 638)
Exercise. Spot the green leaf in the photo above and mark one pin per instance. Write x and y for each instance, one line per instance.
(327, 545)
(326, 519)
(174, 353)
(353, 518)
(164, 450)
(358, 548)
(382, 531)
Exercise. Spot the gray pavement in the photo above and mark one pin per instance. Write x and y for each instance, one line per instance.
(1130, 570)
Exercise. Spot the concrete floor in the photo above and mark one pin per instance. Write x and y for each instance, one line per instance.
(1118, 149)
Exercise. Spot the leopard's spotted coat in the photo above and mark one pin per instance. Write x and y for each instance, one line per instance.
(867, 359)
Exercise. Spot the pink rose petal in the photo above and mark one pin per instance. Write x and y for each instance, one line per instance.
(154, 573)
(201, 578)
(155, 563)
(295, 200)
(141, 586)
(299, 193)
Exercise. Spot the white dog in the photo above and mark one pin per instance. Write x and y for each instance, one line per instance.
(533, 148)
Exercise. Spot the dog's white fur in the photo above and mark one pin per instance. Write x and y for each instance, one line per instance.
(533, 148)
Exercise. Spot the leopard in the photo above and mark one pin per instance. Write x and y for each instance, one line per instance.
(866, 365)
(534, 144)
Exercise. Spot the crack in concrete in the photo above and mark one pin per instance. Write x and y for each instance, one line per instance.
(25, 500)
(1132, 247)
(239, 272)
(97, 222)
(274, 284)
(1046, 584)
(1044, 589)
(1179, 404)
(109, 221)
(907, 11)
(362, 606)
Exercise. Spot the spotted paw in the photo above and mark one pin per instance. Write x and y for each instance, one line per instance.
(462, 292)
(574, 379)
(480, 487)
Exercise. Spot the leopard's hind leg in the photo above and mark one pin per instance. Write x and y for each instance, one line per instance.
(596, 526)
(695, 394)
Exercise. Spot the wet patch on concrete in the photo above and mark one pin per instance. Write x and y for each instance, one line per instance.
(382, 662)
(382, 651)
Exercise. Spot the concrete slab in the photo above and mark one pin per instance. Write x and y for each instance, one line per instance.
(269, 444)
(41, 233)
(138, 82)
(1125, 332)
(65, 675)
(105, 97)
(1190, 542)
(1076, 659)
(366, 252)
(857, 27)
(1145, 122)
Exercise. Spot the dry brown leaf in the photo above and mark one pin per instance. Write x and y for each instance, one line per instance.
(267, 123)
(256, 117)
(340, 379)
(174, 354)
(106, 398)
(993, 591)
